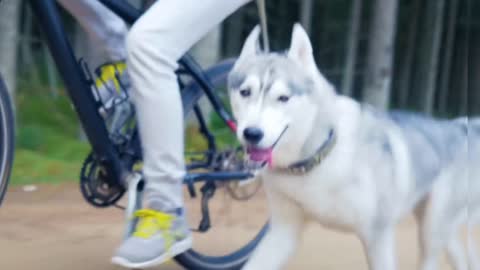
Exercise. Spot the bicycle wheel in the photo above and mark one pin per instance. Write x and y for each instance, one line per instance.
(229, 251)
(7, 131)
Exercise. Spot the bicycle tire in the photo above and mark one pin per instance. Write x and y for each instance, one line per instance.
(192, 259)
(7, 138)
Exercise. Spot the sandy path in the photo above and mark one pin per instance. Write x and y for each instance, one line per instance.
(54, 229)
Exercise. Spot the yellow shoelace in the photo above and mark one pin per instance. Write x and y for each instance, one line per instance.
(151, 222)
(108, 73)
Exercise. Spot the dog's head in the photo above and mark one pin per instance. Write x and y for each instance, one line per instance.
(275, 97)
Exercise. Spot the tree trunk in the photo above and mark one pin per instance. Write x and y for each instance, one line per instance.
(463, 74)
(474, 78)
(447, 64)
(26, 49)
(434, 36)
(306, 15)
(207, 50)
(467, 63)
(207, 53)
(233, 34)
(380, 54)
(9, 33)
(406, 69)
(51, 72)
(351, 48)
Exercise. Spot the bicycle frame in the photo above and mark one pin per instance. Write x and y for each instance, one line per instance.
(84, 103)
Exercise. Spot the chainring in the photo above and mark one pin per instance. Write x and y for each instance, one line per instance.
(95, 186)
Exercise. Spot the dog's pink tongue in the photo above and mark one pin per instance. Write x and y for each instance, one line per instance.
(260, 155)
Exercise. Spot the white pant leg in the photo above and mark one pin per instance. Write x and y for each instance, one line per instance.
(155, 43)
(105, 29)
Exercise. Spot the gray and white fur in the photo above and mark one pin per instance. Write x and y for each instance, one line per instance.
(383, 167)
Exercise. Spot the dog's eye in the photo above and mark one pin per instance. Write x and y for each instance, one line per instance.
(283, 98)
(245, 92)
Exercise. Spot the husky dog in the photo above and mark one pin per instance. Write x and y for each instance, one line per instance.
(345, 165)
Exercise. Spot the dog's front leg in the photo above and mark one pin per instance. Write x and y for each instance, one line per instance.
(279, 243)
(379, 244)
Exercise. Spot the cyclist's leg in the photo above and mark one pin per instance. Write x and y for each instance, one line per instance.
(155, 43)
(105, 29)
(163, 34)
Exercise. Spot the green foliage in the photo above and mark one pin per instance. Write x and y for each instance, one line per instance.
(48, 148)
(32, 167)
(224, 136)
(50, 142)
(38, 107)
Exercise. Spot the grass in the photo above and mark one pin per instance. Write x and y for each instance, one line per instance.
(31, 167)
(48, 149)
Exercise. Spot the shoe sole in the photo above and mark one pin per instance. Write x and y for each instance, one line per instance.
(175, 250)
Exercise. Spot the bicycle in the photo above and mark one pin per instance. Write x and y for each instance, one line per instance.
(110, 170)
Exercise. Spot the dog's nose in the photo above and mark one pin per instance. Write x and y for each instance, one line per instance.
(253, 135)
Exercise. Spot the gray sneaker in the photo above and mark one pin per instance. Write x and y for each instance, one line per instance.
(158, 237)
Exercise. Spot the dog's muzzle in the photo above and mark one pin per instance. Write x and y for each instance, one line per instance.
(257, 157)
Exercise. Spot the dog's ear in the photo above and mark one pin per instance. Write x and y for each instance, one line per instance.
(301, 52)
(300, 47)
(251, 45)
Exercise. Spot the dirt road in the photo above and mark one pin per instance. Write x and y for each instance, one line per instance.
(54, 229)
